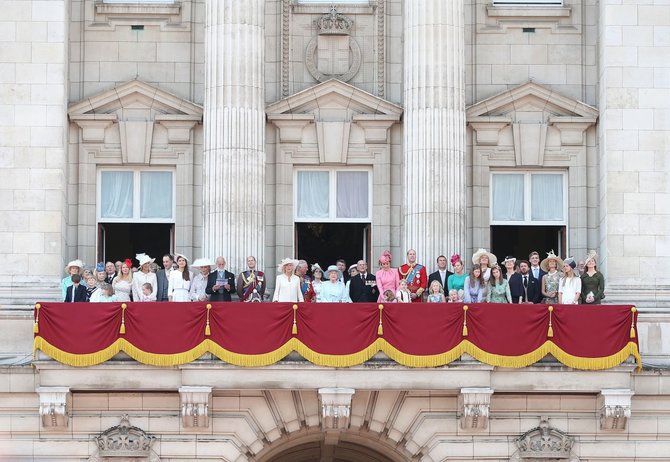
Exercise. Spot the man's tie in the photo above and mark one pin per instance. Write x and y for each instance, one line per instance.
(363, 277)
(525, 281)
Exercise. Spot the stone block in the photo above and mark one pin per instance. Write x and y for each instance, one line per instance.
(102, 51)
(157, 72)
(48, 52)
(49, 222)
(47, 94)
(623, 224)
(641, 36)
(528, 54)
(624, 140)
(173, 52)
(30, 115)
(15, 11)
(46, 136)
(620, 98)
(622, 182)
(25, 423)
(86, 424)
(638, 203)
(641, 119)
(655, 182)
(654, 15)
(28, 243)
(31, 73)
(55, 73)
(137, 52)
(564, 54)
(118, 71)
(662, 246)
(55, 32)
(493, 54)
(639, 246)
(621, 15)
(654, 98)
(621, 56)
(48, 10)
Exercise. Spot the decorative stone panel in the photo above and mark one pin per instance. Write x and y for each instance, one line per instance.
(195, 406)
(544, 442)
(474, 403)
(53, 406)
(335, 408)
(615, 409)
(124, 441)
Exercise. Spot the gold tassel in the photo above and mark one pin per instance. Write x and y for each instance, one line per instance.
(632, 322)
(465, 320)
(122, 329)
(36, 324)
(380, 328)
(550, 332)
(294, 329)
(208, 331)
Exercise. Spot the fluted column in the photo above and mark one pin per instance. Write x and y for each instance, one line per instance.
(234, 130)
(434, 131)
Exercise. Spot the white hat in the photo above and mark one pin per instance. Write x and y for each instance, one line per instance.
(591, 256)
(143, 258)
(493, 260)
(512, 259)
(177, 256)
(200, 262)
(78, 263)
(284, 262)
(332, 268)
(544, 264)
(316, 266)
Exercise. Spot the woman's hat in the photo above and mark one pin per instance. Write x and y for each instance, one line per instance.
(591, 256)
(177, 256)
(493, 260)
(570, 261)
(352, 267)
(284, 262)
(332, 268)
(512, 259)
(544, 264)
(143, 258)
(100, 267)
(200, 262)
(316, 267)
(78, 263)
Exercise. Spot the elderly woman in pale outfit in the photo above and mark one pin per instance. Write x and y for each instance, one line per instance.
(180, 281)
(485, 260)
(570, 286)
(199, 284)
(123, 282)
(333, 290)
(144, 275)
(74, 267)
(287, 284)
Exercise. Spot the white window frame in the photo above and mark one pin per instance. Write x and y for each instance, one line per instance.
(332, 196)
(527, 204)
(136, 196)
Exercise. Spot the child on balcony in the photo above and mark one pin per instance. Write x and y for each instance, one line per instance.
(403, 295)
(435, 293)
(107, 294)
(147, 294)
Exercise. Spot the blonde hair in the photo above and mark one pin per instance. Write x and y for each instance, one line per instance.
(435, 284)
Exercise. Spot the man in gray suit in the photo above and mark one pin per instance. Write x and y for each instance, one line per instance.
(162, 277)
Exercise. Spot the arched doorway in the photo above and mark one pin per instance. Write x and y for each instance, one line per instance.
(323, 447)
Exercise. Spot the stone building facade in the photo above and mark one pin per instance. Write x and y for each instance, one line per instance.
(288, 127)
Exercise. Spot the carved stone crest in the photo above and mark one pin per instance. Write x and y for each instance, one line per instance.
(544, 442)
(124, 440)
(333, 53)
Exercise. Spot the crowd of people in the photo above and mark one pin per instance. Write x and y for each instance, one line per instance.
(551, 280)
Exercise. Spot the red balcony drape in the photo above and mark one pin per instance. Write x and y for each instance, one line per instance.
(337, 335)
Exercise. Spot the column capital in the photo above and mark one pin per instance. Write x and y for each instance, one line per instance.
(335, 407)
(194, 402)
(474, 405)
(615, 408)
(53, 406)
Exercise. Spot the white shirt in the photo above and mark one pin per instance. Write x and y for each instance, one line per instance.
(569, 288)
(178, 287)
(198, 287)
(140, 278)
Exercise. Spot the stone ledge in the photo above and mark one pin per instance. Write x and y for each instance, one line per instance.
(538, 11)
(139, 9)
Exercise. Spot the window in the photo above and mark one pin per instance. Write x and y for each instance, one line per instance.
(328, 195)
(528, 198)
(136, 195)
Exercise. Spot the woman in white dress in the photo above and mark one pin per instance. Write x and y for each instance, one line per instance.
(180, 280)
(144, 276)
(199, 283)
(317, 279)
(570, 286)
(287, 284)
(123, 283)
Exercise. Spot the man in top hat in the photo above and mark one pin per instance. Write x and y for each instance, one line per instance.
(415, 275)
(363, 287)
(221, 283)
(251, 283)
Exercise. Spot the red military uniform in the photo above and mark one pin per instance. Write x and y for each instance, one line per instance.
(416, 278)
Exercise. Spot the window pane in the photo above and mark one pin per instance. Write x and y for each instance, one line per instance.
(507, 197)
(312, 194)
(156, 195)
(352, 194)
(547, 197)
(116, 195)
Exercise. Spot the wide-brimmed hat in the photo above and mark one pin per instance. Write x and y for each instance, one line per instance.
(200, 262)
(177, 256)
(332, 268)
(143, 258)
(508, 258)
(78, 263)
(591, 256)
(544, 264)
(493, 260)
(352, 267)
(284, 262)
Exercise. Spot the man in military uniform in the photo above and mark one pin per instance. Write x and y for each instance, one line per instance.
(251, 283)
(305, 281)
(415, 275)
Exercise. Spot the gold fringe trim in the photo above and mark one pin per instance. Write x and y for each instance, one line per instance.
(76, 360)
(421, 361)
(592, 364)
(245, 360)
(504, 361)
(352, 359)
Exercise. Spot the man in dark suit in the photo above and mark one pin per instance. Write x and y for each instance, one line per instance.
(220, 283)
(76, 292)
(523, 287)
(363, 287)
(162, 278)
(442, 273)
(535, 268)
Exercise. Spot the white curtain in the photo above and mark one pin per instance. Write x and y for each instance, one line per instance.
(312, 197)
(547, 197)
(156, 195)
(507, 195)
(352, 194)
(116, 195)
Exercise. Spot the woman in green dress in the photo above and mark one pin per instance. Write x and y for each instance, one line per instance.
(498, 287)
(593, 282)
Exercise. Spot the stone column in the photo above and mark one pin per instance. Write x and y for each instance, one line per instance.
(234, 131)
(434, 129)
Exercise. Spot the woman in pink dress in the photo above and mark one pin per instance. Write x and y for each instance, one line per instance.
(387, 277)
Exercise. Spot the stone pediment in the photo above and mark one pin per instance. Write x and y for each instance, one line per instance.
(333, 99)
(134, 95)
(531, 97)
